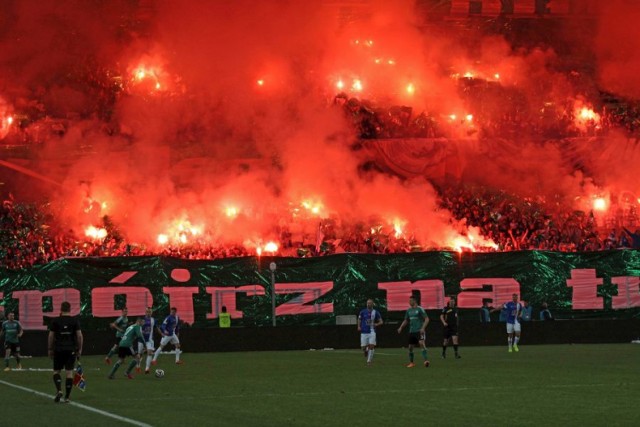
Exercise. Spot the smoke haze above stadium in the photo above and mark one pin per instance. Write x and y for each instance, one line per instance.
(227, 105)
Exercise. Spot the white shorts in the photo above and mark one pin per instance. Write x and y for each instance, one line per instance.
(149, 345)
(367, 339)
(169, 339)
(513, 327)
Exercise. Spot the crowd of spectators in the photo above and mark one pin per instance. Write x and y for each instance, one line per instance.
(494, 111)
(517, 224)
(29, 234)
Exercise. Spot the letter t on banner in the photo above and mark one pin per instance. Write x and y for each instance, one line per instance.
(585, 289)
(182, 299)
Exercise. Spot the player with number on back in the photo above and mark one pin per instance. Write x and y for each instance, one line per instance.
(368, 320)
(169, 330)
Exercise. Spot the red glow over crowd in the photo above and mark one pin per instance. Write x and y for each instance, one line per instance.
(170, 139)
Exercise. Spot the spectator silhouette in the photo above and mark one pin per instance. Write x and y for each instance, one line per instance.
(527, 315)
(485, 312)
(635, 238)
(545, 314)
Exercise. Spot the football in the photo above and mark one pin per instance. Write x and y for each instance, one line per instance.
(159, 373)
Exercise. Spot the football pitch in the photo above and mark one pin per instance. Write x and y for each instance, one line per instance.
(540, 385)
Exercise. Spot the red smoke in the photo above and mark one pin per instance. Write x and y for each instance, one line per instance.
(221, 105)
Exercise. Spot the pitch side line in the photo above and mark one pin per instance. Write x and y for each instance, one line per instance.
(79, 405)
(378, 353)
(391, 391)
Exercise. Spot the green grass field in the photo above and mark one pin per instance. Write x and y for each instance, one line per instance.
(540, 385)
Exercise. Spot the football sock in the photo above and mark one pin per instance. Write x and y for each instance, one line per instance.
(455, 348)
(510, 341)
(370, 355)
(132, 365)
(57, 380)
(18, 359)
(178, 354)
(424, 353)
(6, 362)
(68, 385)
(411, 357)
(444, 349)
(148, 362)
(111, 353)
(517, 339)
(115, 368)
(157, 353)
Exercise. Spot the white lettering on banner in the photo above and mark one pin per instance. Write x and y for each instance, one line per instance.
(182, 299)
(628, 292)
(122, 278)
(585, 289)
(103, 300)
(501, 291)
(226, 296)
(31, 312)
(310, 292)
(30, 305)
(398, 293)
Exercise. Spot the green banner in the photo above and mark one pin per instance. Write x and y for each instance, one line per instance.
(317, 290)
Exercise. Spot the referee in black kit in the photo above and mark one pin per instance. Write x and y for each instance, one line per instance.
(65, 346)
(449, 319)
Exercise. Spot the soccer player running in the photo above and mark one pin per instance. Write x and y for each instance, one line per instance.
(149, 325)
(169, 330)
(449, 319)
(368, 320)
(513, 310)
(65, 346)
(127, 347)
(12, 331)
(120, 325)
(418, 320)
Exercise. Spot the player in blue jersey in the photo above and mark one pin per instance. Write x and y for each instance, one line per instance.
(368, 320)
(169, 330)
(513, 310)
(149, 326)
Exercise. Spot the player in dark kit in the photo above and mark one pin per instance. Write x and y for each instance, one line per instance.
(12, 331)
(449, 319)
(65, 346)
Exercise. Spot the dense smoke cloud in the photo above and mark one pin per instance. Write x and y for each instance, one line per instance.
(227, 105)
(618, 47)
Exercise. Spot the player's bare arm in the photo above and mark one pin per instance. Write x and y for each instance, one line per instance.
(402, 325)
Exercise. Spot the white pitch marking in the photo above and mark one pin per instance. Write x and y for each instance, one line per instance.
(80, 405)
(391, 391)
